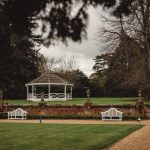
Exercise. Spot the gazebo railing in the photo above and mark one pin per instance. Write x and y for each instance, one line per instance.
(29, 95)
(68, 95)
(60, 95)
(50, 96)
(42, 96)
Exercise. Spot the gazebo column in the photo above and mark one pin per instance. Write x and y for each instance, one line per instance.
(49, 91)
(32, 91)
(71, 91)
(65, 89)
(27, 92)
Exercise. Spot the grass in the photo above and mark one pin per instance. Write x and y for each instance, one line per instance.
(16, 136)
(81, 101)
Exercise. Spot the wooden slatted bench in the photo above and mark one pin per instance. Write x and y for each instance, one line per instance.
(112, 114)
(19, 113)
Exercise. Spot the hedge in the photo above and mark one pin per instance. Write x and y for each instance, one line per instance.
(4, 116)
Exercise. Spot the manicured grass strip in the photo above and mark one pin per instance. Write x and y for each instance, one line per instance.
(20, 102)
(81, 101)
(60, 136)
(102, 101)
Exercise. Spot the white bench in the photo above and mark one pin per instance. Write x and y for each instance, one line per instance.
(19, 113)
(112, 114)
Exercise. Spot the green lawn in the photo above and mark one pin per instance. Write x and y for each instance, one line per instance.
(60, 136)
(81, 101)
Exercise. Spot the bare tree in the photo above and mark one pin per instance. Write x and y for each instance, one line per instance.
(61, 64)
(133, 33)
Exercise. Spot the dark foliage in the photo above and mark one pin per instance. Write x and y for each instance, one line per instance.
(79, 79)
(116, 71)
(56, 17)
(18, 59)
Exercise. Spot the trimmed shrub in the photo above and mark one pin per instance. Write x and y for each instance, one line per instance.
(62, 117)
(125, 117)
(3, 116)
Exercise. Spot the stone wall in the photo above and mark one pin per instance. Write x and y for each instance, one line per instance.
(93, 110)
(147, 112)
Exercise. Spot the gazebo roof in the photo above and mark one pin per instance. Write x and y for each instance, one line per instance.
(49, 78)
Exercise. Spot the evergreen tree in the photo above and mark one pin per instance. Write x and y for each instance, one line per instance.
(18, 59)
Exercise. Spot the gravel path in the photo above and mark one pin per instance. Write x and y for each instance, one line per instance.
(69, 121)
(138, 140)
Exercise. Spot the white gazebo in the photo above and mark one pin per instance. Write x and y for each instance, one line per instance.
(50, 87)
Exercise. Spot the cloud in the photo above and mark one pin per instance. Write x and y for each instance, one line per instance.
(83, 52)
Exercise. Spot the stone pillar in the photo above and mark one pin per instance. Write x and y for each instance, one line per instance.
(88, 102)
(140, 108)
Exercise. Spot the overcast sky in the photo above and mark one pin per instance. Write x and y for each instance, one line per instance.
(83, 52)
